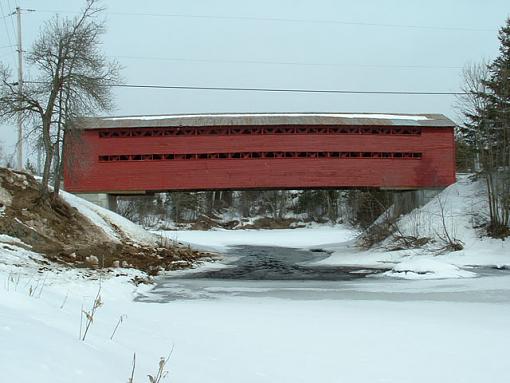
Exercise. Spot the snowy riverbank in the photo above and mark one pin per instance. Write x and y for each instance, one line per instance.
(361, 330)
(454, 212)
(375, 330)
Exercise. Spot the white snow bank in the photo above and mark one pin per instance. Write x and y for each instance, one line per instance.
(14, 256)
(12, 240)
(453, 213)
(107, 219)
(219, 240)
(462, 206)
(233, 115)
(393, 337)
(425, 268)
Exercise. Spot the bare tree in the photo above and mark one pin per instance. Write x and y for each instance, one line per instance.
(2, 154)
(471, 105)
(275, 201)
(73, 79)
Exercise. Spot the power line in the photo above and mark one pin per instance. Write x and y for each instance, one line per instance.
(297, 63)
(277, 90)
(12, 21)
(282, 19)
(7, 33)
(285, 90)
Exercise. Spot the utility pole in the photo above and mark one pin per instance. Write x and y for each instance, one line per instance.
(20, 91)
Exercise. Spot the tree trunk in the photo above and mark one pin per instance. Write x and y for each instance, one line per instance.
(48, 150)
(59, 167)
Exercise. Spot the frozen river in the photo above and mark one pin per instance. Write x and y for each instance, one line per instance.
(263, 314)
(287, 273)
(280, 314)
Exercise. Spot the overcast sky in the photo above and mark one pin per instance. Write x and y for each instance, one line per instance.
(366, 45)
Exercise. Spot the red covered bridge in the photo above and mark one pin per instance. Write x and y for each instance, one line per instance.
(123, 155)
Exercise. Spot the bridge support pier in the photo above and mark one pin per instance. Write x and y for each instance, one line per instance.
(108, 201)
(406, 201)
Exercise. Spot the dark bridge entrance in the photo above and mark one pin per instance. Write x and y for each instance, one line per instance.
(124, 155)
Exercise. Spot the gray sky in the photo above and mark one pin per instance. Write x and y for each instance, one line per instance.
(317, 44)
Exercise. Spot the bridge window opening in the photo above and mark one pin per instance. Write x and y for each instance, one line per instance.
(261, 155)
(257, 130)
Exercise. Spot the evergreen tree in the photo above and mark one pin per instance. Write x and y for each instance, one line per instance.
(497, 113)
(487, 128)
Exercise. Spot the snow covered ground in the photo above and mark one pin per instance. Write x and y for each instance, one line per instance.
(375, 329)
(219, 240)
(111, 223)
(460, 205)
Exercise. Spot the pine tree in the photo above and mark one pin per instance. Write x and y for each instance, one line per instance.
(486, 130)
(491, 118)
(497, 97)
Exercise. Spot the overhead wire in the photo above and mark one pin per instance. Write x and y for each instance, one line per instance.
(287, 90)
(12, 21)
(278, 90)
(296, 63)
(282, 19)
(8, 34)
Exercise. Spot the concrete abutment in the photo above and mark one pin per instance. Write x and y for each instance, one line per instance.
(105, 200)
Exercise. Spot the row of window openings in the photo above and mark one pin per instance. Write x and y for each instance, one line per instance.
(199, 131)
(259, 155)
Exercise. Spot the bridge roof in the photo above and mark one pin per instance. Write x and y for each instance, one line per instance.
(227, 119)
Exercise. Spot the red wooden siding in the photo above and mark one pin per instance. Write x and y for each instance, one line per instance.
(98, 162)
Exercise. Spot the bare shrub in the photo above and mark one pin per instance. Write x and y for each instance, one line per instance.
(127, 209)
(121, 319)
(160, 374)
(447, 235)
(89, 315)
